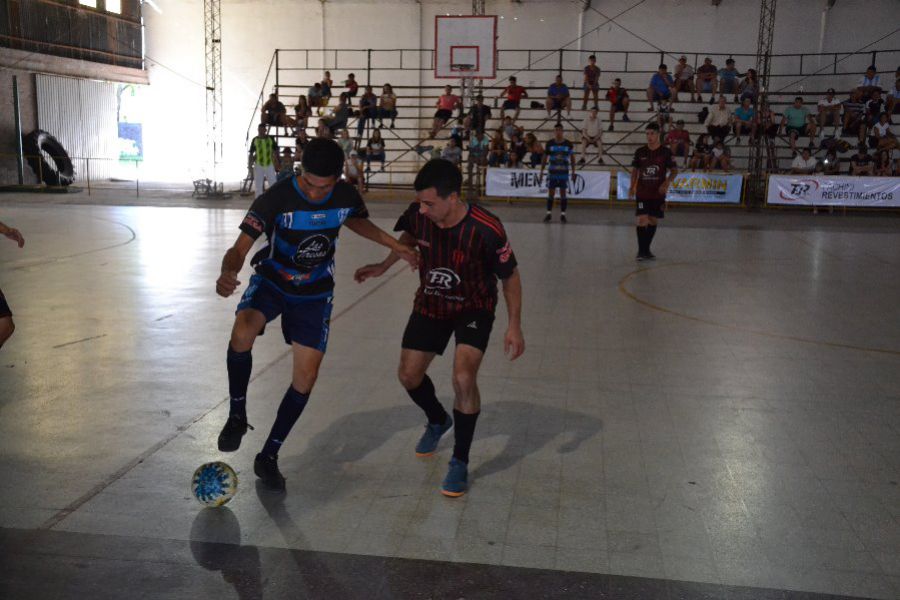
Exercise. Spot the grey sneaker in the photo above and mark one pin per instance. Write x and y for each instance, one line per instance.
(433, 432)
(456, 482)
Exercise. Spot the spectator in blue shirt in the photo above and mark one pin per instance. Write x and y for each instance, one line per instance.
(744, 120)
(661, 86)
(558, 97)
(729, 79)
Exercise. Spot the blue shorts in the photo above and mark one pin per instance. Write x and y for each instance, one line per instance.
(305, 321)
(658, 95)
(4, 307)
(558, 181)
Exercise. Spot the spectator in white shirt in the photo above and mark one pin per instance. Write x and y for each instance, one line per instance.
(803, 164)
(829, 110)
(869, 83)
(718, 121)
(592, 135)
(881, 136)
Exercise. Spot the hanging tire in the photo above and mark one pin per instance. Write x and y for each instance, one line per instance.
(37, 146)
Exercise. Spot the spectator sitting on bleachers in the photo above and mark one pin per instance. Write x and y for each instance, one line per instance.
(881, 136)
(345, 142)
(351, 85)
(869, 83)
(327, 84)
(314, 97)
(300, 143)
(831, 165)
(512, 96)
(322, 129)
(684, 78)
(510, 129)
(855, 115)
(861, 162)
(803, 163)
(517, 150)
(664, 115)
(353, 171)
(368, 110)
(883, 164)
(720, 157)
(829, 111)
(729, 79)
(478, 116)
(797, 122)
(479, 144)
(558, 97)
(302, 113)
(874, 107)
(744, 120)
(749, 87)
(274, 112)
(452, 152)
(497, 151)
(679, 142)
(707, 80)
(702, 153)
(536, 150)
(387, 105)
(591, 81)
(618, 101)
(341, 115)
(718, 121)
(285, 165)
(661, 86)
(592, 135)
(446, 104)
(893, 99)
(375, 150)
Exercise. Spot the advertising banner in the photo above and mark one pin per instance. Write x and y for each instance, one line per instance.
(528, 183)
(822, 190)
(709, 188)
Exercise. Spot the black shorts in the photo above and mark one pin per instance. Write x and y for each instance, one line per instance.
(743, 129)
(427, 334)
(443, 113)
(654, 208)
(510, 104)
(619, 105)
(800, 131)
(4, 307)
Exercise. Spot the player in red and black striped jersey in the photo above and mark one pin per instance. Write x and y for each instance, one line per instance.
(652, 171)
(463, 251)
(6, 321)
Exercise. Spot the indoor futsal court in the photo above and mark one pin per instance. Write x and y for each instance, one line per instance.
(717, 419)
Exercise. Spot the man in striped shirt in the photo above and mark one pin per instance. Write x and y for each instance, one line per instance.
(463, 251)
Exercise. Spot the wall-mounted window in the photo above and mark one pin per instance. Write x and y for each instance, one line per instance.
(91, 3)
(114, 6)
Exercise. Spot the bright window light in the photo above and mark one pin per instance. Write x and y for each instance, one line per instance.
(91, 3)
(114, 6)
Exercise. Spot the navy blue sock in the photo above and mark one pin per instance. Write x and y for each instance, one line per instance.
(426, 399)
(292, 406)
(549, 203)
(464, 430)
(563, 200)
(239, 366)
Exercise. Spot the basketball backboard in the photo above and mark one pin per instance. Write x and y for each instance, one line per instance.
(465, 46)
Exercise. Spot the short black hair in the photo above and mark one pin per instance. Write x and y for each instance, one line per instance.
(730, 61)
(664, 66)
(653, 127)
(440, 174)
(323, 157)
(592, 56)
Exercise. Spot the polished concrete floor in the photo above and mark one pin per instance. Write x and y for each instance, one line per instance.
(722, 423)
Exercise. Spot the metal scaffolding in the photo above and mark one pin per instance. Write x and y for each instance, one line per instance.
(212, 18)
(758, 163)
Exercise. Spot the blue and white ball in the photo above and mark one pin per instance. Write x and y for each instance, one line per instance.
(214, 484)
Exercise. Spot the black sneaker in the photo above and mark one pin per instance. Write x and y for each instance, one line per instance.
(547, 218)
(266, 468)
(640, 257)
(649, 256)
(562, 219)
(234, 430)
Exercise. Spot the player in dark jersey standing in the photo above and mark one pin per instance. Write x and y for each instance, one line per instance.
(301, 217)
(7, 327)
(560, 153)
(652, 171)
(464, 251)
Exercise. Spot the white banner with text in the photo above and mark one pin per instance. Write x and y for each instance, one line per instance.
(528, 183)
(822, 190)
(693, 187)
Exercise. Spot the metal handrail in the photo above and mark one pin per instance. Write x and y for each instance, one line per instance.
(259, 100)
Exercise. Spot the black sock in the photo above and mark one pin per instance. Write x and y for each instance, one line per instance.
(239, 366)
(651, 231)
(464, 430)
(292, 405)
(642, 239)
(426, 399)
(563, 200)
(549, 204)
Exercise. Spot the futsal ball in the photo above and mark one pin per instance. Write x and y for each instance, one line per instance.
(214, 484)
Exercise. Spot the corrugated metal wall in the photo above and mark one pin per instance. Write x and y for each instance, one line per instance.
(81, 114)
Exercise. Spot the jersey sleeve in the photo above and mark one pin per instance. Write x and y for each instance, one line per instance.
(261, 217)
(358, 209)
(502, 258)
(407, 221)
(636, 161)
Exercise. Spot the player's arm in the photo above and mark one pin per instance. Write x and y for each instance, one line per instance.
(572, 160)
(369, 230)
(513, 341)
(379, 269)
(251, 154)
(664, 188)
(632, 189)
(12, 233)
(232, 264)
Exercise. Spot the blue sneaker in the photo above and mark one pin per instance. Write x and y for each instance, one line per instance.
(456, 481)
(429, 440)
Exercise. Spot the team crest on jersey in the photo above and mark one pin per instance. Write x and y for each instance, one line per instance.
(441, 278)
(254, 222)
(504, 253)
(651, 170)
(312, 251)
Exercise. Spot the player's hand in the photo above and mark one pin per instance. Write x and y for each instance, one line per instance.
(226, 284)
(15, 235)
(369, 271)
(663, 190)
(514, 343)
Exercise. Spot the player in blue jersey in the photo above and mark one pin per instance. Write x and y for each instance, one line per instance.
(560, 153)
(300, 217)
